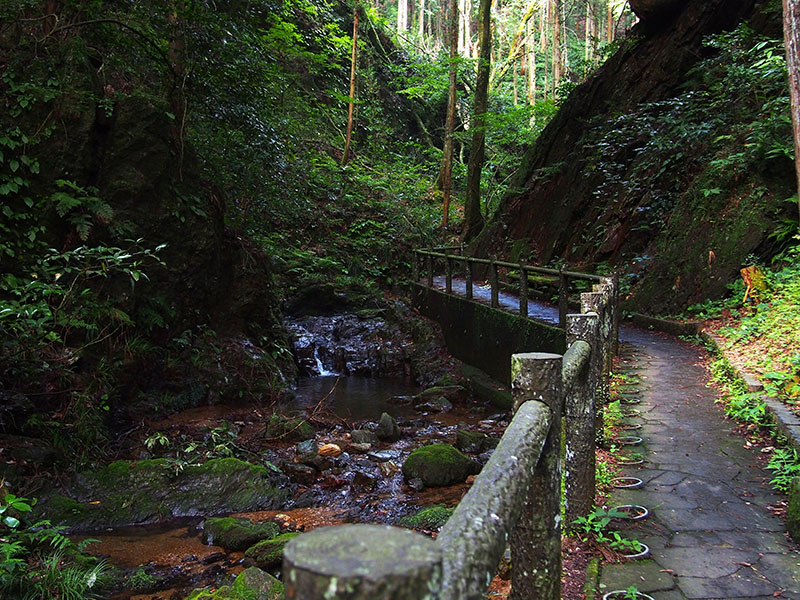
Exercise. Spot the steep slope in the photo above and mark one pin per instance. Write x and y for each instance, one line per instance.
(652, 165)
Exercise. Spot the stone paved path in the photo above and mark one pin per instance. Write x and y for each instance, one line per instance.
(710, 532)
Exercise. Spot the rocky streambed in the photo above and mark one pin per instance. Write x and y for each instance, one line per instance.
(213, 493)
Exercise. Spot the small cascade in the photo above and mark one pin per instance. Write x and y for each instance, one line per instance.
(323, 372)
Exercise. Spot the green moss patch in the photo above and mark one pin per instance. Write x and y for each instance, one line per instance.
(438, 465)
(269, 553)
(133, 492)
(237, 534)
(250, 584)
(431, 518)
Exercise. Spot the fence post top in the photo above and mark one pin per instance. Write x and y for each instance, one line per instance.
(361, 550)
(587, 316)
(535, 356)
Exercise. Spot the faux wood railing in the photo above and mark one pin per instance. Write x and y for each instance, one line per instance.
(425, 260)
(515, 500)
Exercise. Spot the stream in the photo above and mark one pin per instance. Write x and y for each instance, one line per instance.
(354, 371)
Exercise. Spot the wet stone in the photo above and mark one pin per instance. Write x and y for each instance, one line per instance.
(383, 455)
(363, 436)
(388, 429)
(306, 451)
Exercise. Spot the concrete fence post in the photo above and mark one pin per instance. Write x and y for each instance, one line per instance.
(563, 297)
(429, 267)
(593, 302)
(362, 562)
(615, 310)
(449, 275)
(470, 277)
(579, 414)
(536, 540)
(495, 282)
(523, 291)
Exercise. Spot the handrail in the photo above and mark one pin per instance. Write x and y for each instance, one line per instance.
(508, 265)
(514, 500)
(564, 279)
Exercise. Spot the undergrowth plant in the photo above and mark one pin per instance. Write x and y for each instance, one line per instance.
(785, 466)
(38, 562)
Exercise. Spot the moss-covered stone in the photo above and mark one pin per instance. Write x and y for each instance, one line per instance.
(450, 392)
(471, 441)
(250, 584)
(132, 492)
(430, 518)
(793, 510)
(289, 429)
(264, 585)
(439, 464)
(237, 534)
(269, 553)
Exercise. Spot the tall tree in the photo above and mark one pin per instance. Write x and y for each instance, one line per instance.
(402, 17)
(473, 220)
(351, 105)
(450, 120)
(791, 36)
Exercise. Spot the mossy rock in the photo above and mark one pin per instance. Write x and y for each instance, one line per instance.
(269, 553)
(449, 392)
(135, 492)
(250, 584)
(431, 518)
(472, 442)
(438, 465)
(793, 510)
(234, 534)
(289, 429)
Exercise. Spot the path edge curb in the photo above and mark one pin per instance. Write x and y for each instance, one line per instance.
(592, 579)
(786, 422)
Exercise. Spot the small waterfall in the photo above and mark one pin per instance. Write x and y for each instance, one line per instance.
(323, 372)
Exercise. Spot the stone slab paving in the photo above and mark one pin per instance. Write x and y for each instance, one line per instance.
(710, 531)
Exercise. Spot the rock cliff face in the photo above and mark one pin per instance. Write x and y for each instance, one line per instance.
(564, 206)
(649, 9)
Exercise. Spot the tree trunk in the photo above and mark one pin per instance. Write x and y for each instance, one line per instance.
(544, 19)
(531, 43)
(402, 17)
(557, 65)
(610, 25)
(422, 20)
(346, 154)
(791, 36)
(50, 20)
(473, 220)
(176, 52)
(450, 122)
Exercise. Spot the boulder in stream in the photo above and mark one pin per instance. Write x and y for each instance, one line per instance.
(431, 518)
(388, 429)
(250, 584)
(147, 491)
(236, 534)
(363, 436)
(269, 553)
(439, 465)
(474, 442)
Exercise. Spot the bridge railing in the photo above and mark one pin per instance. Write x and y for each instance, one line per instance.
(514, 501)
(449, 257)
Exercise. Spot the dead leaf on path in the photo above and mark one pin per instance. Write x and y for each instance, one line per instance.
(743, 564)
